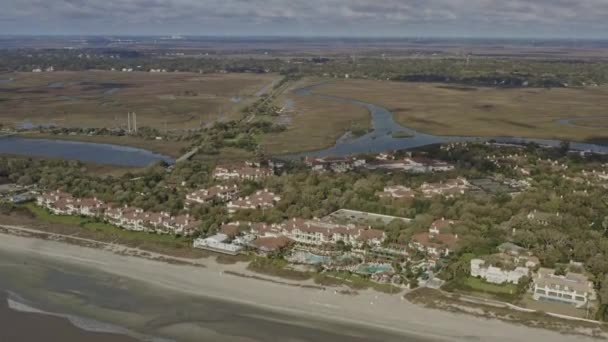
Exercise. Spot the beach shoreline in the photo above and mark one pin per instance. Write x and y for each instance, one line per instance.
(375, 310)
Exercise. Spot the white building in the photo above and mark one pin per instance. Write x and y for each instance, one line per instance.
(215, 193)
(260, 200)
(217, 243)
(573, 288)
(241, 172)
(318, 233)
(497, 275)
(397, 191)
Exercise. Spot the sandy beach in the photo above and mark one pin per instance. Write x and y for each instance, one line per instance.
(380, 311)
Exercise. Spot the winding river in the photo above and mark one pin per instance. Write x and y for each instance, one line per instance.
(381, 137)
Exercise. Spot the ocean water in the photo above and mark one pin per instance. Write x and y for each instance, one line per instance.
(66, 300)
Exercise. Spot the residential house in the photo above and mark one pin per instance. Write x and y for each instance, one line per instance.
(448, 189)
(217, 243)
(541, 218)
(397, 191)
(432, 165)
(512, 249)
(411, 164)
(220, 193)
(233, 229)
(335, 164)
(497, 275)
(241, 172)
(573, 288)
(262, 199)
(270, 245)
(438, 241)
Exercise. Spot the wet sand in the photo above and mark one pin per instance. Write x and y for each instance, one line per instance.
(247, 306)
(33, 327)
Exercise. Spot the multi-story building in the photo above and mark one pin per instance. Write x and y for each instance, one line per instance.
(497, 275)
(573, 288)
(438, 241)
(125, 217)
(311, 232)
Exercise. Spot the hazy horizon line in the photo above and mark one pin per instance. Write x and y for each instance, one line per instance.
(412, 37)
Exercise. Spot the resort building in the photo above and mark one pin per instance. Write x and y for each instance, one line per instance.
(262, 199)
(219, 193)
(573, 288)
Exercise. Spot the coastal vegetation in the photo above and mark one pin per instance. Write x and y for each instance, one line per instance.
(102, 99)
(575, 114)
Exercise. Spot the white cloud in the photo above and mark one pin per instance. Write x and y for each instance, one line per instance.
(188, 15)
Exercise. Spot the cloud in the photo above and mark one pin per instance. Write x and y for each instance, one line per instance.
(287, 16)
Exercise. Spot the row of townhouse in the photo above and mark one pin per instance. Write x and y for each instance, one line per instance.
(129, 218)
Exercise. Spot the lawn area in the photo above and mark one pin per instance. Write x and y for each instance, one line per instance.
(108, 231)
(576, 114)
(482, 286)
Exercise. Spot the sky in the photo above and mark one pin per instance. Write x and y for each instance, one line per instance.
(359, 18)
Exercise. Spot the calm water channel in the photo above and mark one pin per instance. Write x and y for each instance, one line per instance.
(82, 151)
(381, 137)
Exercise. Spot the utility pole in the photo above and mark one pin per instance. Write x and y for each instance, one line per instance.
(129, 122)
(135, 121)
